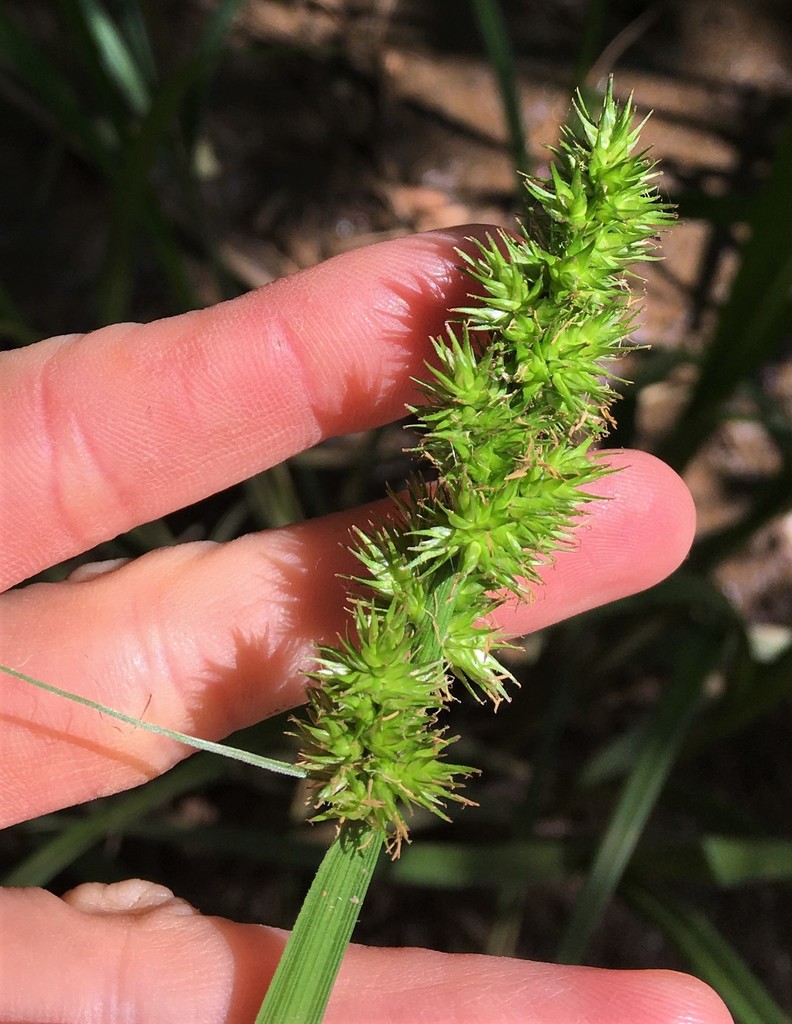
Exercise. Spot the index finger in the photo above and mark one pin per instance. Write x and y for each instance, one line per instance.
(104, 431)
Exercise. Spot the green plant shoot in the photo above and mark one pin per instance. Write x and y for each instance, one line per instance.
(520, 390)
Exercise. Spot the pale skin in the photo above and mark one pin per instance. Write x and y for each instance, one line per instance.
(102, 432)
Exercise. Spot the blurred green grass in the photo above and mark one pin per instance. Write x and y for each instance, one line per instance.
(665, 810)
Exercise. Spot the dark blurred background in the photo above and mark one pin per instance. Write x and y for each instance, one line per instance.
(634, 806)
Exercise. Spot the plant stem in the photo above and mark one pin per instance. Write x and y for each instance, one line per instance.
(303, 981)
(304, 978)
(234, 753)
(495, 34)
(508, 426)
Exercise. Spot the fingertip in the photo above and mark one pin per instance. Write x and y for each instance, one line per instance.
(636, 536)
(685, 999)
(660, 506)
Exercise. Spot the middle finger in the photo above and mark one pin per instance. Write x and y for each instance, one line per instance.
(206, 638)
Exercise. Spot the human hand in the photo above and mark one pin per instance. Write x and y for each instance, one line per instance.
(103, 432)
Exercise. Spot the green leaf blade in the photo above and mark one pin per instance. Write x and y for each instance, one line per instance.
(710, 956)
(301, 987)
(661, 743)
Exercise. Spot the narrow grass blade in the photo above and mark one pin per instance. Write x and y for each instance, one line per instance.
(614, 759)
(720, 210)
(181, 155)
(132, 25)
(134, 201)
(686, 593)
(254, 844)
(767, 687)
(272, 498)
(302, 984)
(590, 38)
(230, 523)
(721, 861)
(209, 50)
(103, 101)
(280, 767)
(735, 861)
(771, 499)
(515, 885)
(216, 28)
(149, 536)
(709, 955)
(458, 866)
(44, 82)
(115, 55)
(170, 254)
(741, 703)
(728, 862)
(754, 319)
(111, 816)
(495, 34)
(661, 745)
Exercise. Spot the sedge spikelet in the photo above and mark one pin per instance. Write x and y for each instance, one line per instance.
(519, 391)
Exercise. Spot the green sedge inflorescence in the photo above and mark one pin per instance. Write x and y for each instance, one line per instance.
(519, 392)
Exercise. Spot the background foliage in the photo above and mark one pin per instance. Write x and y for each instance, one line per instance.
(161, 156)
